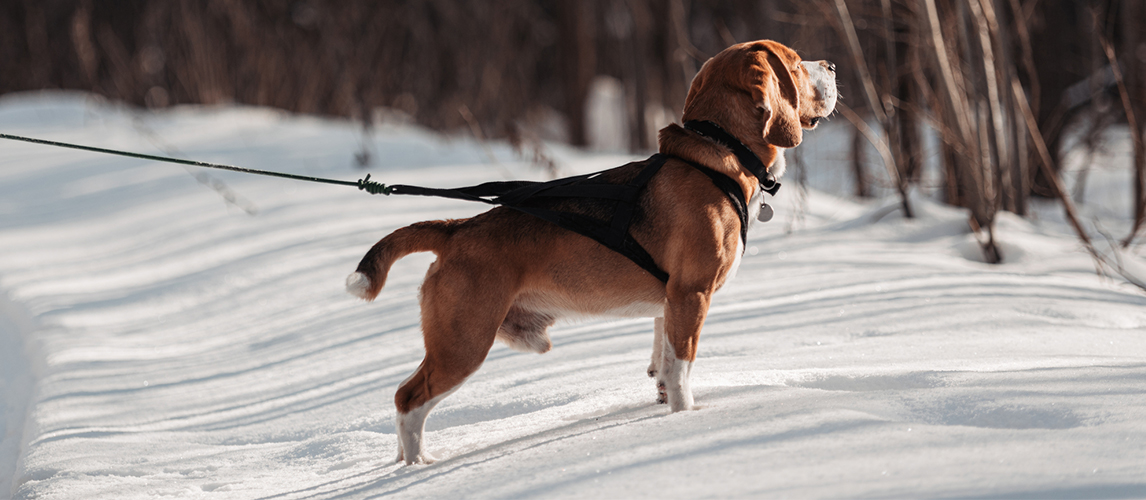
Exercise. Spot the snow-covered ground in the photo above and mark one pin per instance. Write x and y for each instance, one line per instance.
(156, 342)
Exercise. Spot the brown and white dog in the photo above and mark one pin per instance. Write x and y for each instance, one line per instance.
(508, 275)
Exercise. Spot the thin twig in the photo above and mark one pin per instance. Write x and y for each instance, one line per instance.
(849, 32)
(1135, 135)
(1117, 265)
(679, 16)
(475, 128)
(1048, 170)
(984, 19)
(1022, 18)
(208, 180)
(958, 107)
(858, 122)
(997, 78)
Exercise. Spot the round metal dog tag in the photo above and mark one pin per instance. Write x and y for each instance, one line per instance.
(765, 214)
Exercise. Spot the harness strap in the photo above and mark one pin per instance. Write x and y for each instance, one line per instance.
(512, 192)
(735, 195)
(623, 244)
(614, 235)
(745, 156)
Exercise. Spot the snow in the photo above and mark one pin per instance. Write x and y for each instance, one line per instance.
(158, 342)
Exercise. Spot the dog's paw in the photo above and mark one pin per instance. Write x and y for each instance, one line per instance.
(652, 371)
(422, 459)
(662, 394)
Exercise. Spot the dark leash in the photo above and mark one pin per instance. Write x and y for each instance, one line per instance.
(364, 184)
(523, 195)
(477, 193)
(613, 234)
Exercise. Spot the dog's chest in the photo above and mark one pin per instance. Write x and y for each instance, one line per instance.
(753, 212)
(754, 206)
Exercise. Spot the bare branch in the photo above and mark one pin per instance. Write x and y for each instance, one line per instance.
(872, 137)
(860, 64)
(1048, 168)
(479, 136)
(1135, 135)
(944, 65)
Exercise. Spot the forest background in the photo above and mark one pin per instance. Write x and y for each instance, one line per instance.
(1001, 82)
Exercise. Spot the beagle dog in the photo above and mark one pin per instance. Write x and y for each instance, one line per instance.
(507, 275)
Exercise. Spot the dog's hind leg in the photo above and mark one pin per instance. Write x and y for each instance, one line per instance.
(412, 423)
(461, 312)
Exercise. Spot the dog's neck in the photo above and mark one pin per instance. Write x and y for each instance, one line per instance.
(747, 158)
(721, 149)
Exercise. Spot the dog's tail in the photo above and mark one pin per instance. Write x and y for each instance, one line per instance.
(429, 236)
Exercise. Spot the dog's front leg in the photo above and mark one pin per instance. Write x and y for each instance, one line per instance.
(672, 385)
(662, 357)
(684, 316)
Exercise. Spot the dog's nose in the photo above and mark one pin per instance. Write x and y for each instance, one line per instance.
(830, 65)
(814, 121)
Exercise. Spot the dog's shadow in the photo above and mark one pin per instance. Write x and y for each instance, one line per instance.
(395, 477)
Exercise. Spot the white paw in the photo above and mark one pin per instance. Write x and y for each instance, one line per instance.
(422, 458)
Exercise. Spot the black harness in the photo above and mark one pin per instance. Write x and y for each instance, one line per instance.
(613, 233)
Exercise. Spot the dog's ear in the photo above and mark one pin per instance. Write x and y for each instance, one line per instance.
(773, 90)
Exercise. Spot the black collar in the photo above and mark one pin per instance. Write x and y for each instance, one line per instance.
(747, 158)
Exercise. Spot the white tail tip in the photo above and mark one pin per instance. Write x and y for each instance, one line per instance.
(357, 284)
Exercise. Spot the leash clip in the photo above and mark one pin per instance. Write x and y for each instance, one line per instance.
(373, 187)
(769, 184)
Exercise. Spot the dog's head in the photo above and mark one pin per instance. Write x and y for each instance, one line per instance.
(762, 93)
